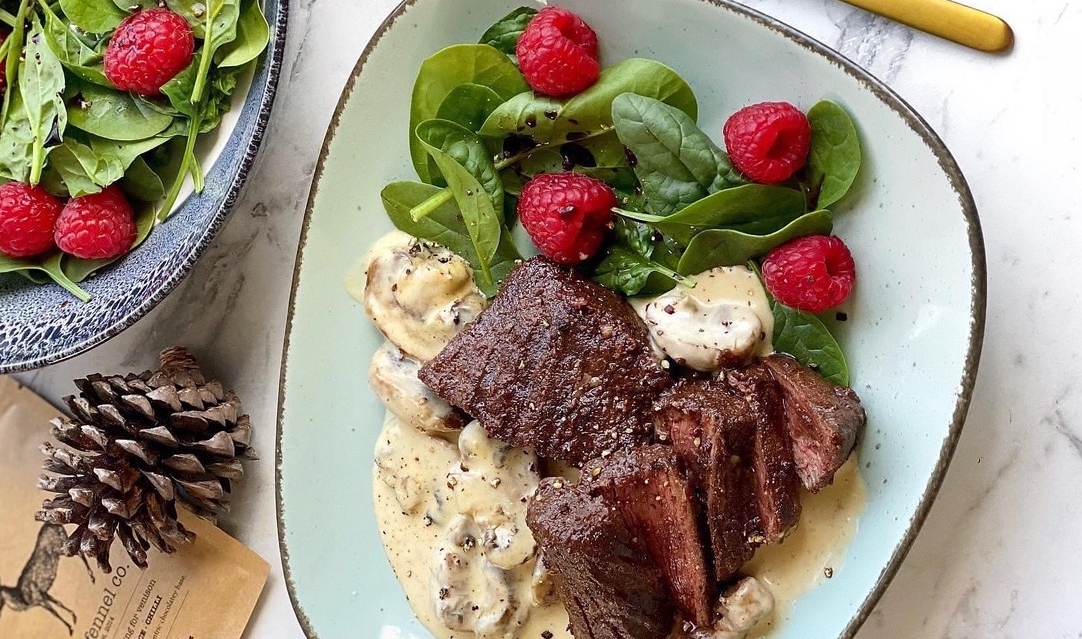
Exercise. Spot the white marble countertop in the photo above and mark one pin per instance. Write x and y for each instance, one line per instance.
(999, 555)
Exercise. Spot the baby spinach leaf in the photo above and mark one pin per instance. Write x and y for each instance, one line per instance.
(676, 162)
(253, 34)
(179, 89)
(729, 247)
(589, 113)
(82, 170)
(220, 29)
(445, 70)
(472, 178)
(634, 235)
(124, 152)
(465, 149)
(444, 226)
(75, 53)
(140, 182)
(469, 105)
(47, 266)
(834, 159)
(752, 208)
(110, 114)
(16, 139)
(625, 271)
(504, 35)
(41, 83)
(803, 336)
(93, 16)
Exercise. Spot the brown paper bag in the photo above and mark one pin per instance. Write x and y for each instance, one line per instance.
(207, 590)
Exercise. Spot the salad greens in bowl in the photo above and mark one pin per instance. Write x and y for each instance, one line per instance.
(176, 152)
(911, 331)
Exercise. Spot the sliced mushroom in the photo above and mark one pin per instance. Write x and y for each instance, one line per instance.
(419, 294)
(493, 486)
(393, 377)
(738, 611)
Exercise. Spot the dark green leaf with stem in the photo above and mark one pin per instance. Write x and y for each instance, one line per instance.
(253, 34)
(140, 182)
(220, 28)
(444, 226)
(589, 113)
(834, 159)
(472, 178)
(113, 115)
(625, 271)
(441, 73)
(803, 336)
(41, 83)
(729, 247)
(93, 16)
(676, 162)
(469, 105)
(48, 265)
(505, 33)
(73, 51)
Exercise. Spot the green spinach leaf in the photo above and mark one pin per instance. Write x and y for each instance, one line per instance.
(589, 113)
(676, 162)
(74, 52)
(441, 73)
(504, 35)
(729, 247)
(469, 105)
(472, 178)
(803, 336)
(93, 16)
(625, 271)
(41, 84)
(16, 139)
(47, 266)
(835, 156)
(444, 226)
(252, 36)
(82, 170)
(140, 182)
(110, 114)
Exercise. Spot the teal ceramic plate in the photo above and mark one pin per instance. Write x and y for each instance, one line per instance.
(913, 335)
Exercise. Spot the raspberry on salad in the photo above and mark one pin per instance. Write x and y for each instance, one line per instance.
(768, 142)
(566, 214)
(147, 50)
(557, 53)
(96, 227)
(27, 216)
(811, 273)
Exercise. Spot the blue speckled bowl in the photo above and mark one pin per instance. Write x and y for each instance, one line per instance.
(41, 325)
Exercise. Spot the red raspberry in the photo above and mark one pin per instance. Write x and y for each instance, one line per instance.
(27, 216)
(147, 50)
(566, 214)
(96, 227)
(812, 273)
(768, 142)
(557, 53)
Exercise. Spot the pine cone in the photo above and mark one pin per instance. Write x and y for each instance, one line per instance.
(137, 445)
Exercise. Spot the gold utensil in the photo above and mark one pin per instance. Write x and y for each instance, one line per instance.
(949, 20)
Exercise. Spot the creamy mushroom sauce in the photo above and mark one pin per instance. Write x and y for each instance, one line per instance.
(451, 506)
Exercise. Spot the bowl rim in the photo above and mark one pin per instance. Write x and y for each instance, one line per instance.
(273, 58)
(978, 291)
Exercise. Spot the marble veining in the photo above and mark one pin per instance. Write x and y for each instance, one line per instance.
(999, 555)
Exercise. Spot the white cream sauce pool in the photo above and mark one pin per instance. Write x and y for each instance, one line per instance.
(413, 539)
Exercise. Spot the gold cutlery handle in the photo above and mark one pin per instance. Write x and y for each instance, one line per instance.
(949, 20)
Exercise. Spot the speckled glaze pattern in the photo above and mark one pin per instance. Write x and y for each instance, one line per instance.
(44, 324)
(913, 334)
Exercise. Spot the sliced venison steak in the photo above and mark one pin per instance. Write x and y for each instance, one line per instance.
(557, 364)
(713, 432)
(776, 482)
(824, 420)
(608, 582)
(652, 494)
